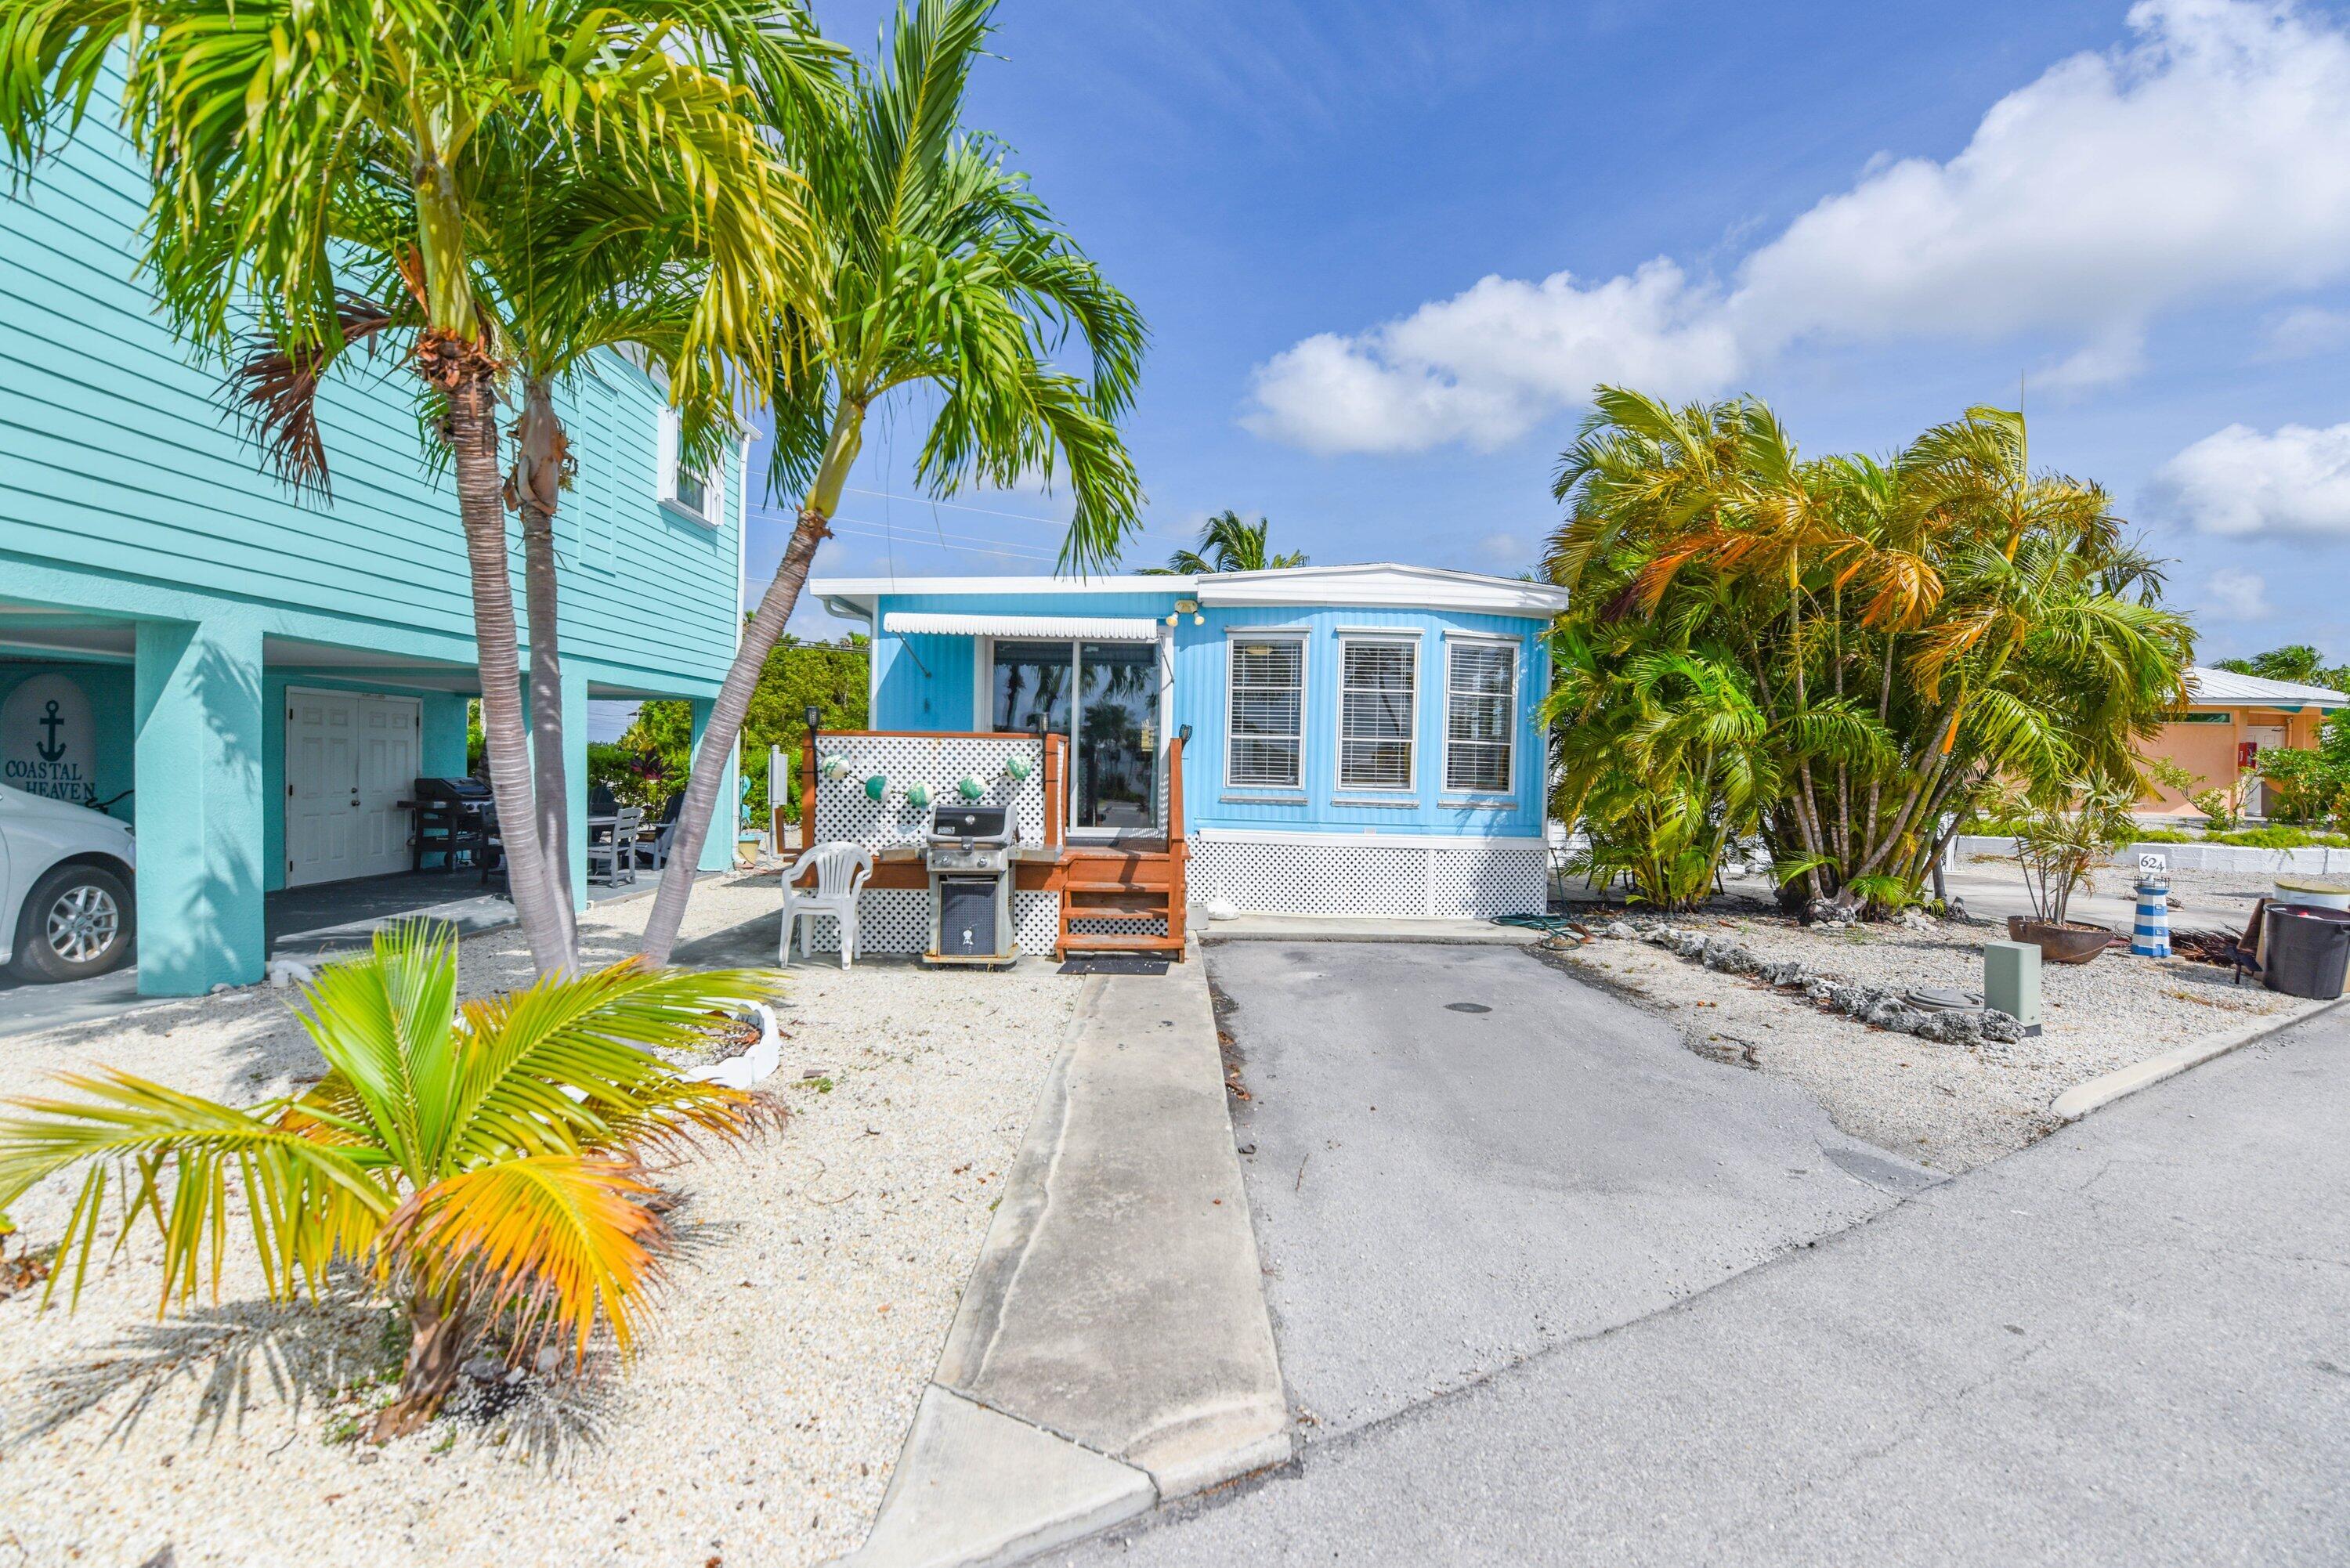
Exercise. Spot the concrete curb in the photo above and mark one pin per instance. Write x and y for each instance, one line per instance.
(2103, 1090)
(1112, 1349)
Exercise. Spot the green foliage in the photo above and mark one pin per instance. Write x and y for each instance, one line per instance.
(2280, 837)
(2166, 835)
(481, 1160)
(2222, 808)
(832, 675)
(1861, 649)
(945, 271)
(2296, 663)
(2060, 846)
(1228, 545)
(2301, 784)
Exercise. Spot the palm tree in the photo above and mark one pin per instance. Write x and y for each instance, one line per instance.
(942, 272)
(1908, 632)
(480, 1163)
(300, 146)
(1227, 544)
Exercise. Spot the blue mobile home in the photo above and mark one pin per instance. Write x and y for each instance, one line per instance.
(269, 674)
(1357, 740)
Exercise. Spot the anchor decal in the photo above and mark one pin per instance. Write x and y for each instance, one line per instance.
(53, 748)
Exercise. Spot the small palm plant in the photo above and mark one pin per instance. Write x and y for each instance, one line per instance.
(482, 1162)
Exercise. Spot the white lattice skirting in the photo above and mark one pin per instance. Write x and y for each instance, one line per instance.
(898, 920)
(1475, 879)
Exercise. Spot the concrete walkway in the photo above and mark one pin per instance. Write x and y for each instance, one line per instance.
(1112, 1349)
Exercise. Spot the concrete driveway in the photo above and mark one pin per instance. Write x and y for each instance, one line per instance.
(1458, 1155)
(2125, 1345)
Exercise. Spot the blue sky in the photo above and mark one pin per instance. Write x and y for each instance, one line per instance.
(1385, 248)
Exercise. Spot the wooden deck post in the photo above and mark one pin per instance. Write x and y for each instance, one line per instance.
(1178, 849)
(1056, 769)
(808, 790)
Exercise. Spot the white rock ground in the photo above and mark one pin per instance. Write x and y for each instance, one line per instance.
(1951, 1107)
(760, 1422)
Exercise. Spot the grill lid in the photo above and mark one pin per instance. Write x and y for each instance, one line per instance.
(972, 824)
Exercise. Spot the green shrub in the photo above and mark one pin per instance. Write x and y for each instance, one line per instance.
(2165, 835)
(2279, 839)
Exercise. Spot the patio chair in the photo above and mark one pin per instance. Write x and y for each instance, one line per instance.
(653, 851)
(494, 847)
(614, 848)
(840, 873)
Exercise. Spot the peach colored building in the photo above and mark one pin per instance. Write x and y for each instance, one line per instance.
(2231, 718)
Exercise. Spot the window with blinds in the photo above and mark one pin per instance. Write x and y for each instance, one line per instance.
(1481, 684)
(1267, 713)
(1375, 710)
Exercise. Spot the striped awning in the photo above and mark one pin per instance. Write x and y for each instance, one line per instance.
(1089, 627)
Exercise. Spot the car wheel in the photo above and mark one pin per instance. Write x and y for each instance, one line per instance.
(78, 922)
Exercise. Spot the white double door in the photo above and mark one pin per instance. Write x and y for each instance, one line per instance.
(350, 760)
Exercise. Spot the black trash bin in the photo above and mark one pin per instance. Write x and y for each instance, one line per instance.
(2307, 950)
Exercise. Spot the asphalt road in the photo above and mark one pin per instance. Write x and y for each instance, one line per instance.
(2128, 1343)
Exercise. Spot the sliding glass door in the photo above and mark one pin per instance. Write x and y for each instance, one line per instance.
(1104, 696)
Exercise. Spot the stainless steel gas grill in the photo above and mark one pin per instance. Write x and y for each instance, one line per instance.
(968, 854)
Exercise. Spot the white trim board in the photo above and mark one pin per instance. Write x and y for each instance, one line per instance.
(1373, 835)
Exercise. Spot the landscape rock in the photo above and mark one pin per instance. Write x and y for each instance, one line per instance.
(2001, 1028)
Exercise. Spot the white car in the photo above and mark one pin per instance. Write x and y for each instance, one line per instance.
(66, 901)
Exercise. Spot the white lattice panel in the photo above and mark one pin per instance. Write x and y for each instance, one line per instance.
(1487, 880)
(1474, 880)
(844, 812)
(898, 920)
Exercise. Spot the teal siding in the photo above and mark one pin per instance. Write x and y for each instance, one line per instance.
(927, 683)
(119, 465)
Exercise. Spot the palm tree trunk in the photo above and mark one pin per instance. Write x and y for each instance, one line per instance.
(766, 625)
(536, 489)
(467, 374)
(436, 1338)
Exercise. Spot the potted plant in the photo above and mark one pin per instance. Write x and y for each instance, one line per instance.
(2060, 847)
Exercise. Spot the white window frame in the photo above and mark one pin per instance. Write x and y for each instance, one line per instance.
(1303, 638)
(1454, 640)
(713, 509)
(1408, 639)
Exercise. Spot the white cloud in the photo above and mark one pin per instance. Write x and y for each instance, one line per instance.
(2238, 483)
(1484, 364)
(2210, 158)
(2307, 329)
(2239, 595)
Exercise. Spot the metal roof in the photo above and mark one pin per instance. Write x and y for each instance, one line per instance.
(1378, 584)
(2225, 689)
(1093, 628)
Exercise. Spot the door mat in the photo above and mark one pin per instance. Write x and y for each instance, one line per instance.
(1114, 964)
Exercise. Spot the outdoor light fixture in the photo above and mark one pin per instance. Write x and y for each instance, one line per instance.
(1184, 734)
(814, 715)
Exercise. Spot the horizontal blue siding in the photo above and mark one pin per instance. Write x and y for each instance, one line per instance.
(927, 682)
(116, 458)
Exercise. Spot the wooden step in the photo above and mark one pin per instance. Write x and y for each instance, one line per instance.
(1145, 908)
(1091, 941)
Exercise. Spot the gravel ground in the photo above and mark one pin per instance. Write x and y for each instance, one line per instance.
(760, 1422)
(1951, 1107)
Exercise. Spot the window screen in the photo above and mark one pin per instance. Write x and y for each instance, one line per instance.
(1375, 714)
(1268, 707)
(1481, 680)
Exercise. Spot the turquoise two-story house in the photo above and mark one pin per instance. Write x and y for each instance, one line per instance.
(254, 680)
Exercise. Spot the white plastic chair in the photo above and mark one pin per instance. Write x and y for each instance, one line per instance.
(840, 873)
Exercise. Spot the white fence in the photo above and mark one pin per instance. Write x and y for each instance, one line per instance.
(2311, 862)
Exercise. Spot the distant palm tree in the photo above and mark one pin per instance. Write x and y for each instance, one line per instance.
(1227, 544)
